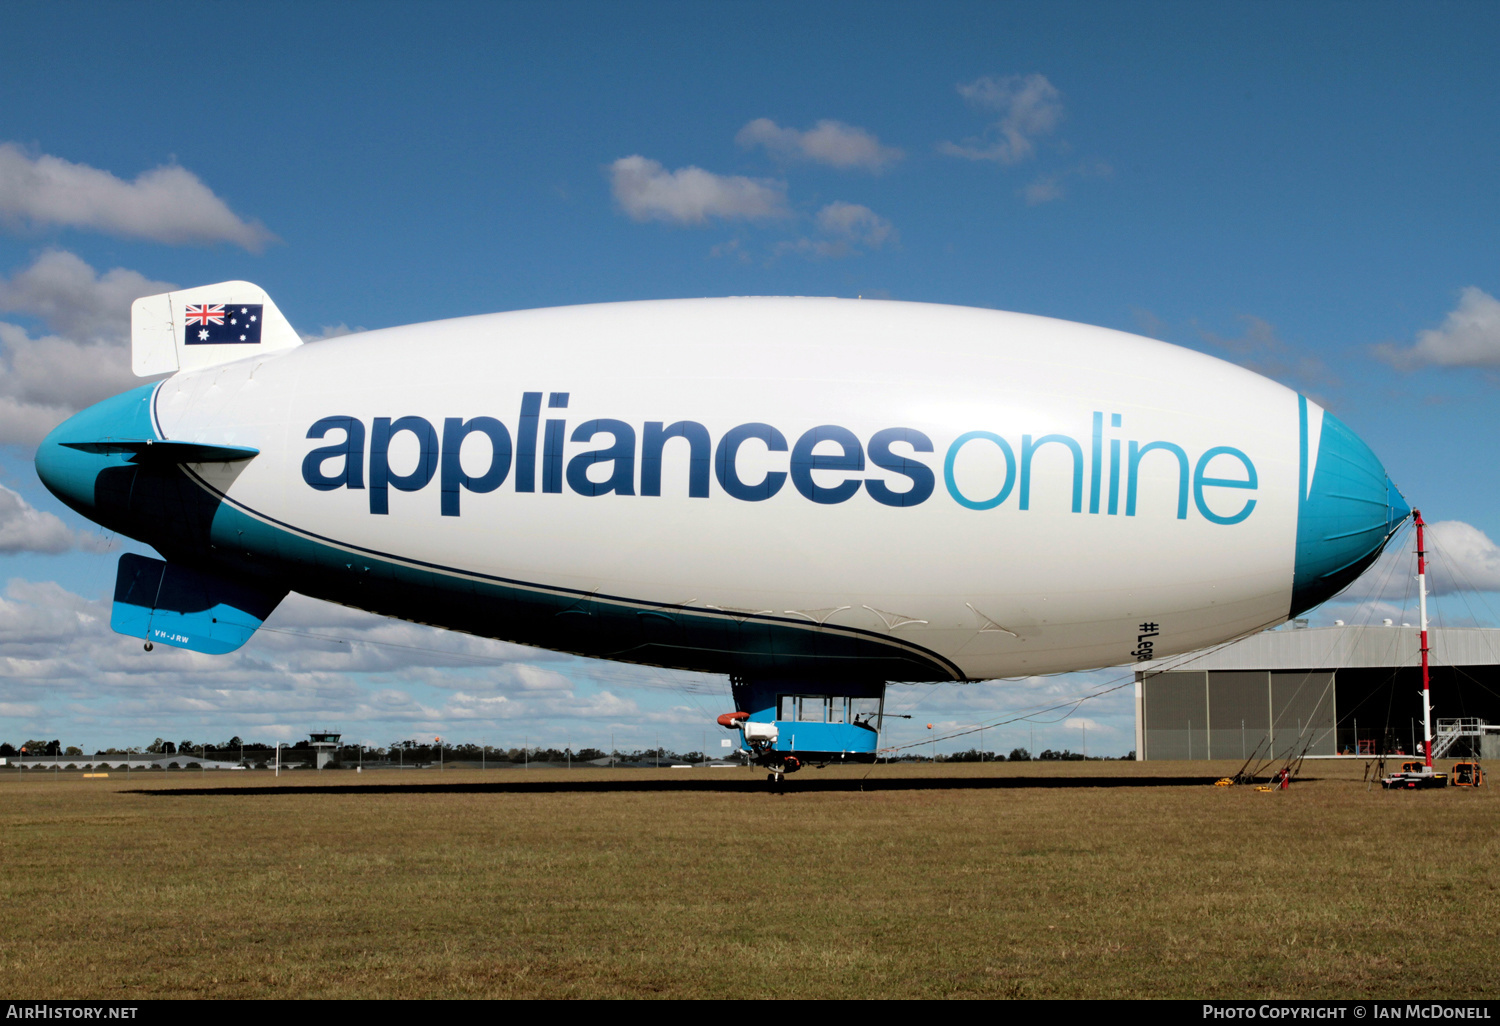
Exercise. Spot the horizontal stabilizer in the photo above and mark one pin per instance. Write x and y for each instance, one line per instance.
(156, 450)
(174, 605)
(205, 326)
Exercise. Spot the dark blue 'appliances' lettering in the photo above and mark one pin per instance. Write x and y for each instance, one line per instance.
(654, 441)
(351, 450)
(919, 472)
(552, 445)
(621, 480)
(729, 450)
(455, 430)
(805, 461)
(380, 470)
(531, 409)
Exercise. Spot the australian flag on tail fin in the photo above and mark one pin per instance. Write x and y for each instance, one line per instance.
(216, 324)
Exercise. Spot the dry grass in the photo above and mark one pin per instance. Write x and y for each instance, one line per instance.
(699, 884)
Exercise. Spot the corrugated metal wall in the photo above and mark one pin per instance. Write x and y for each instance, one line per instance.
(1176, 712)
(1227, 714)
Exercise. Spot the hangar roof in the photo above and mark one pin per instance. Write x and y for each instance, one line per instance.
(1335, 648)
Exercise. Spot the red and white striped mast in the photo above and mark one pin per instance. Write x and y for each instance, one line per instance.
(1422, 602)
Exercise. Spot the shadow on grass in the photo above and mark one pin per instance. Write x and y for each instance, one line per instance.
(803, 783)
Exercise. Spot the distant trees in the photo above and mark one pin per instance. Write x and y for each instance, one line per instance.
(972, 755)
(413, 753)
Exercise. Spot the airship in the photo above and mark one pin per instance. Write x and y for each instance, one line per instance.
(815, 497)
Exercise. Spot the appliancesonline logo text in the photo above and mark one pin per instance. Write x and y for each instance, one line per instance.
(835, 454)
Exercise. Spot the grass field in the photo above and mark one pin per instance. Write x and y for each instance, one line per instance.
(1000, 880)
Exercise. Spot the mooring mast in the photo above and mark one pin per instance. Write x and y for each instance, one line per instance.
(1422, 604)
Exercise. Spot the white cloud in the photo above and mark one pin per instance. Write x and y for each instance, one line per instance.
(332, 331)
(73, 300)
(847, 227)
(46, 378)
(1043, 190)
(1053, 186)
(1081, 723)
(64, 673)
(1463, 558)
(822, 248)
(854, 223)
(24, 528)
(165, 204)
(828, 142)
(313, 663)
(1460, 558)
(733, 249)
(1029, 106)
(647, 191)
(1469, 337)
(1261, 349)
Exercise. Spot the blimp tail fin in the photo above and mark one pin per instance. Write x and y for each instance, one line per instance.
(186, 608)
(201, 327)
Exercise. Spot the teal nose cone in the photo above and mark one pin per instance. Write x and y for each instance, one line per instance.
(1347, 510)
(1397, 509)
(72, 473)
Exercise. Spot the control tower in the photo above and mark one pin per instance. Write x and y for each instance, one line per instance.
(326, 745)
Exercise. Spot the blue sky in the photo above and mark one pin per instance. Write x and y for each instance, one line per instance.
(1309, 189)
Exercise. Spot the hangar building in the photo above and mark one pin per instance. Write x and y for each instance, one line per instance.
(1330, 691)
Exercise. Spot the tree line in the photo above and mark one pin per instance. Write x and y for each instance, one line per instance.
(238, 749)
(1016, 755)
(421, 753)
